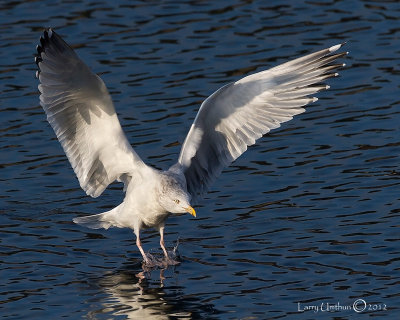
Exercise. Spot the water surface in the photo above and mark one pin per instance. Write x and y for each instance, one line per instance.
(309, 216)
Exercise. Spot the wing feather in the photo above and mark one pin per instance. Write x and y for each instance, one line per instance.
(80, 110)
(238, 114)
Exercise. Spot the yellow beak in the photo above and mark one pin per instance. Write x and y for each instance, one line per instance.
(191, 211)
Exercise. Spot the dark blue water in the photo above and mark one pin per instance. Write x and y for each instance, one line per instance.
(308, 217)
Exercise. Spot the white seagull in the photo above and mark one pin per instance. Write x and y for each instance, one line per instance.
(80, 110)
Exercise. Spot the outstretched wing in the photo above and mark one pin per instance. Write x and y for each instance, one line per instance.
(236, 115)
(80, 110)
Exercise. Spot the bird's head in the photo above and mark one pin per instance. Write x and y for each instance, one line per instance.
(174, 198)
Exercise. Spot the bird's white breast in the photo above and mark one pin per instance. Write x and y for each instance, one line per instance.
(141, 203)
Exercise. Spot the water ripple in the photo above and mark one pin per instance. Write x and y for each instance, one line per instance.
(308, 215)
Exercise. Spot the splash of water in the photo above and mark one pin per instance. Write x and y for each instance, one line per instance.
(158, 260)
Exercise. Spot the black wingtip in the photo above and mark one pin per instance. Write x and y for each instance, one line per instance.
(44, 41)
(48, 33)
(342, 45)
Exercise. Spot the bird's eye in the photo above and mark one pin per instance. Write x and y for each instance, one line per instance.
(176, 201)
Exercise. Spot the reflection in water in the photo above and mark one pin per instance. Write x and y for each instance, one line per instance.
(130, 295)
(133, 294)
(137, 290)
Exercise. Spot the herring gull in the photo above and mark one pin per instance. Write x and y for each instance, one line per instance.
(80, 110)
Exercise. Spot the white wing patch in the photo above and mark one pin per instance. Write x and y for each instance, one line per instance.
(238, 114)
(80, 110)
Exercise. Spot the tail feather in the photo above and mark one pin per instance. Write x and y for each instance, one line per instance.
(97, 221)
(93, 222)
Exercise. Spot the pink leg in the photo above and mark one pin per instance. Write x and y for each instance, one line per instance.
(139, 245)
(162, 242)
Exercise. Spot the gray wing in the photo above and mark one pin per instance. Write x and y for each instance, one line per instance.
(80, 110)
(236, 115)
